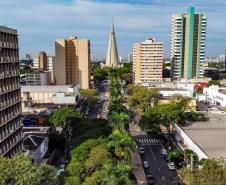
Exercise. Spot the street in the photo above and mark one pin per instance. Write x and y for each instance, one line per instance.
(152, 147)
(100, 108)
(157, 165)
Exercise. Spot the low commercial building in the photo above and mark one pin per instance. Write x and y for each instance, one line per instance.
(206, 139)
(215, 95)
(36, 143)
(62, 95)
(169, 92)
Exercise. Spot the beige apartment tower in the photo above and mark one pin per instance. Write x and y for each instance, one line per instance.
(11, 133)
(147, 62)
(72, 62)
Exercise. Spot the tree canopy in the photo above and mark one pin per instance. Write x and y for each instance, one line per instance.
(19, 170)
(142, 98)
(90, 95)
(212, 172)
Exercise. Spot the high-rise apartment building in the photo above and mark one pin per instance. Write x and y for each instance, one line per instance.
(10, 102)
(45, 62)
(73, 62)
(188, 44)
(147, 61)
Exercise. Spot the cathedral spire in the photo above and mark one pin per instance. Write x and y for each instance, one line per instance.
(112, 52)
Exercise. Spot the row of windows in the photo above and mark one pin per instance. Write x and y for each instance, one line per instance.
(9, 84)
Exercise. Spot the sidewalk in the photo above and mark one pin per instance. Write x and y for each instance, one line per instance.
(136, 163)
(137, 167)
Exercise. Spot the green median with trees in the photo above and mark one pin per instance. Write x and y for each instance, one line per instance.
(98, 148)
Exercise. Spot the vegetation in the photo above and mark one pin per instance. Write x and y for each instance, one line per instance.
(27, 69)
(216, 65)
(199, 90)
(212, 172)
(214, 82)
(98, 147)
(91, 95)
(168, 114)
(65, 118)
(19, 170)
(100, 74)
(175, 156)
(141, 98)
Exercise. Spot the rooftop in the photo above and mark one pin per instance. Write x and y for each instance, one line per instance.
(210, 136)
(170, 89)
(8, 30)
(47, 88)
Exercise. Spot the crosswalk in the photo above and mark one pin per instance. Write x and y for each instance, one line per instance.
(148, 141)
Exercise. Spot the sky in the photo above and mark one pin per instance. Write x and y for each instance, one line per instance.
(41, 22)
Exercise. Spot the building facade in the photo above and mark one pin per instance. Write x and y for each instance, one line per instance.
(73, 62)
(11, 133)
(38, 78)
(188, 45)
(45, 62)
(147, 62)
(215, 95)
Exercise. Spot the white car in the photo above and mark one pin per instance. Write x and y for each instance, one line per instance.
(146, 164)
(163, 151)
(61, 169)
(141, 150)
(171, 166)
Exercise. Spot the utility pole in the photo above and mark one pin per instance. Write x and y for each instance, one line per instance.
(192, 162)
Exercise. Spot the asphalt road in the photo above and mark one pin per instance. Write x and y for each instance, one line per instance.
(157, 165)
(101, 107)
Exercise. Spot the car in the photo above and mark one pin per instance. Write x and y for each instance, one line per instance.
(146, 164)
(149, 179)
(171, 166)
(141, 150)
(163, 151)
(61, 169)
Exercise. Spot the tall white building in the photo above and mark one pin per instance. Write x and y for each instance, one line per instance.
(188, 44)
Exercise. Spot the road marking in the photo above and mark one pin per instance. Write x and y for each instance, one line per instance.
(153, 154)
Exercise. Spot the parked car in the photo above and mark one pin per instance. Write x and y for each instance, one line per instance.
(61, 169)
(163, 151)
(146, 164)
(171, 166)
(141, 150)
(149, 179)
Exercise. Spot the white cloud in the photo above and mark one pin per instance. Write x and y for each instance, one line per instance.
(39, 23)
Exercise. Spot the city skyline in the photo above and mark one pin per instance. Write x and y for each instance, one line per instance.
(47, 20)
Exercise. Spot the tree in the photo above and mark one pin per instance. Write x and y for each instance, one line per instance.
(175, 156)
(119, 121)
(19, 170)
(142, 98)
(65, 118)
(150, 122)
(98, 157)
(214, 82)
(90, 95)
(199, 90)
(212, 172)
(128, 77)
